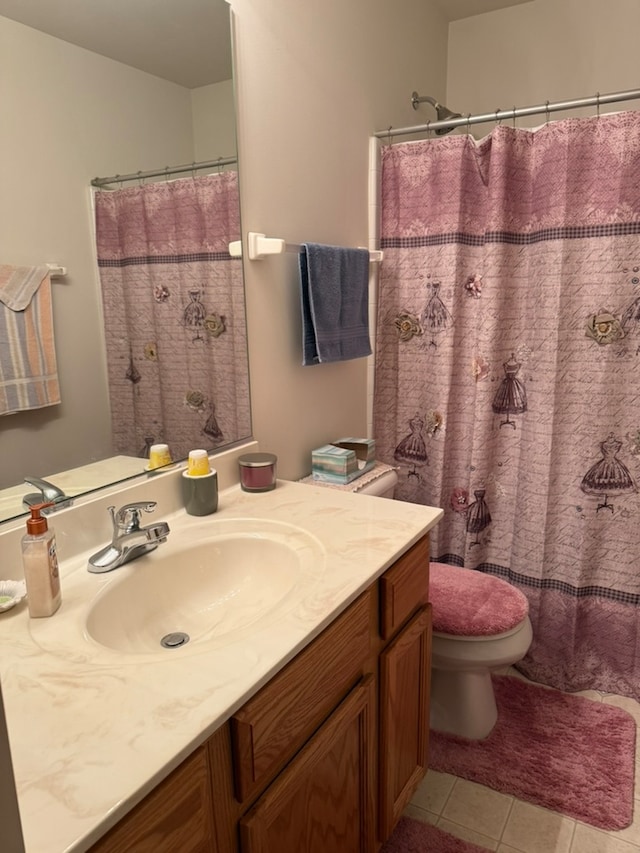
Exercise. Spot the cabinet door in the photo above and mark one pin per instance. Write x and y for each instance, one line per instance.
(405, 668)
(324, 799)
(177, 815)
(272, 726)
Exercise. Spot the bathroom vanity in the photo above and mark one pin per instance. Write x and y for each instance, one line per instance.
(305, 730)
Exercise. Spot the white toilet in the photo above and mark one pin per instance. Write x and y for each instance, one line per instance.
(480, 623)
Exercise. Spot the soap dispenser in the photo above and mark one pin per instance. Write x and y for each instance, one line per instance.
(40, 563)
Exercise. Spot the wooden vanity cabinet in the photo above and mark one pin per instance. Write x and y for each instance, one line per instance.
(405, 671)
(325, 756)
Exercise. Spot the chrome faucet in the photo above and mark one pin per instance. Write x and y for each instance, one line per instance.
(129, 539)
(48, 493)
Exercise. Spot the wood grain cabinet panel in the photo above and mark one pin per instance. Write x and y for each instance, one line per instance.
(175, 816)
(404, 588)
(271, 727)
(324, 801)
(405, 667)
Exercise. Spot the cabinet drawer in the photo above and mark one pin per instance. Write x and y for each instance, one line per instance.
(271, 727)
(404, 588)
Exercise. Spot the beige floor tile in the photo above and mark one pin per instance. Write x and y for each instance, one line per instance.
(504, 848)
(589, 694)
(631, 833)
(468, 834)
(478, 808)
(589, 840)
(624, 702)
(420, 814)
(433, 792)
(532, 829)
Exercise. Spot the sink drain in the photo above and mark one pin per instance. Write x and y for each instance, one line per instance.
(174, 640)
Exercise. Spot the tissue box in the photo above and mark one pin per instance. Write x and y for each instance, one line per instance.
(343, 461)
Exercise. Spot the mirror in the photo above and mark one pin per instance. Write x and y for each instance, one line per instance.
(115, 90)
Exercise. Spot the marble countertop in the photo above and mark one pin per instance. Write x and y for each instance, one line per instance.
(92, 730)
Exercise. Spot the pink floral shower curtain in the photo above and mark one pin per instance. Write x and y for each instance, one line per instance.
(174, 314)
(508, 373)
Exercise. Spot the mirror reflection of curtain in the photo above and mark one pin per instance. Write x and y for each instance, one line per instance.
(508, 351)
(174, 314)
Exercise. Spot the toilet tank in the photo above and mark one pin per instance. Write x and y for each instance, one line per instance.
(382, 487)
(380, 483)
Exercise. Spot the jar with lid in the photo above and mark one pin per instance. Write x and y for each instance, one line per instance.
(258, 472)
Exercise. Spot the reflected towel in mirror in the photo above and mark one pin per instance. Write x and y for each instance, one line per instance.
(28, 369)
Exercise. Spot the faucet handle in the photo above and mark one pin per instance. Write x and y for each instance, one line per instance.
(48, 493)
(127, 518)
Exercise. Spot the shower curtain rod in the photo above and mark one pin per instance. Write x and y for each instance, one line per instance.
(500, 115)
(167, 172)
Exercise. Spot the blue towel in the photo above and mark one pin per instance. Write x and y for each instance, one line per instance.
(334, 295)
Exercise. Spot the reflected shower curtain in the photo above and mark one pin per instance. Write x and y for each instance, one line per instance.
(174, 314)
(508, 374)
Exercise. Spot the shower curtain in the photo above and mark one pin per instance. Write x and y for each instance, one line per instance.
(173, 302)
(508, 374)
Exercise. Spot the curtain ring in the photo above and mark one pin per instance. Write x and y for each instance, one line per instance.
(546, 112)
(429, 130)
(140, 181)
(598, 104)
(167, 176)
(193, 169)
(117, 178)
(514, 117)
(469, 123)
(219, 166)
(497, 120)
(389, 134)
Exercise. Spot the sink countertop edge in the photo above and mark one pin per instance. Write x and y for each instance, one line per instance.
(74, 725)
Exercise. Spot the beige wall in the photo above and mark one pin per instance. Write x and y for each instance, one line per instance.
(545, 50)
(214, 125)
(314, 81)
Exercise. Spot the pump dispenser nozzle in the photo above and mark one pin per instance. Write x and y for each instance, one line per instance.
(37, 524)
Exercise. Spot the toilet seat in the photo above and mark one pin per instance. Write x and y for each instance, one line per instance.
(470, 604)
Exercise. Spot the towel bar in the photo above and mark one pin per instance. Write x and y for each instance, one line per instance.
(260, 246)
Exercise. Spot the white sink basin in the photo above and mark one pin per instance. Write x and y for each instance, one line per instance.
(215, 582)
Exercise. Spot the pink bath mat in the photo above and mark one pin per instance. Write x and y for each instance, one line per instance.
(413, 836)
(563, 752)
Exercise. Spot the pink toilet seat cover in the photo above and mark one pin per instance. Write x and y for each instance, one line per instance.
(470, 603)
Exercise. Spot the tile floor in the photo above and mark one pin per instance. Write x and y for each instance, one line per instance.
(507, 825)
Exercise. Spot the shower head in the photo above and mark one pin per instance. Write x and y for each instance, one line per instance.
(443, 113)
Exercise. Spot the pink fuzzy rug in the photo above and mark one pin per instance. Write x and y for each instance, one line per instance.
(566, 753)
(413, 836)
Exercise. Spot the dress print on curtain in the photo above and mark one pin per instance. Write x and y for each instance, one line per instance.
(532, 366)
(173, 303)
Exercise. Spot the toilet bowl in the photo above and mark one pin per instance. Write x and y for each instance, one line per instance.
(480, 623)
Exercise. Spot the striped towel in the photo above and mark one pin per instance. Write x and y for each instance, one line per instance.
(28, 370)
